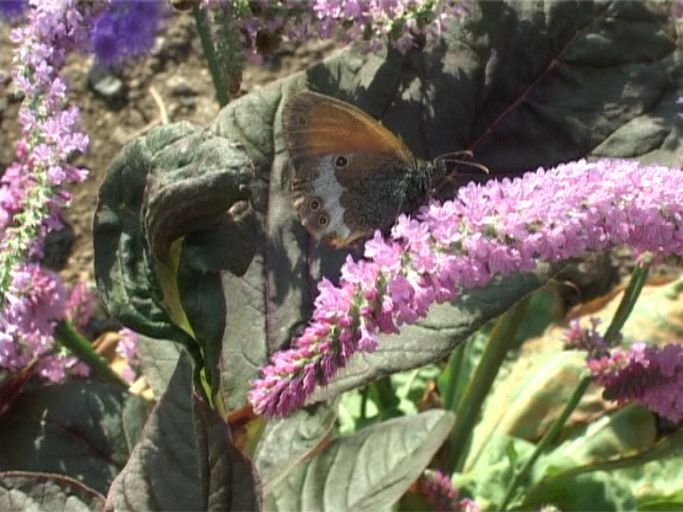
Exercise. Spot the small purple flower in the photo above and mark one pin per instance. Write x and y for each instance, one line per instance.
(437, 489)
(127, 348)
(589, 339)
(650, 375)
(79, 306)
(12, 9)
(497, 229)
(125, 30)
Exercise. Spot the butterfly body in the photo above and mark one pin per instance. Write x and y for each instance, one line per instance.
(350, 174)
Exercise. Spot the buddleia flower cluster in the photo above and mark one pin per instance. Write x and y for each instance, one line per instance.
(486, 231)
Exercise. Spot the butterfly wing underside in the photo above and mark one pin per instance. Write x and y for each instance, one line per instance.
(334, 147)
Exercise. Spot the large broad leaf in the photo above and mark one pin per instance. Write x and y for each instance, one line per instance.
(84, 430)
(158, 361)
(227, 477)
(521, 84)
(21, 490)
(647, 480)
(624, 433)
(176, 183)
(620, 435)
(368, 470)
(288, 441)
(186, 459)
(162, 472)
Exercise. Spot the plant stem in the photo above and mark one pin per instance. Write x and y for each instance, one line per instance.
(628, 301)
(452, 391)
(79, 346)
(502, 338)
(219, 82)
(548, 438)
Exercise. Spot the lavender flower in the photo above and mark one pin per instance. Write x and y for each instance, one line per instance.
(497, 229)
(35, 188)
(126, 30)
(437, 489)
(650, 375)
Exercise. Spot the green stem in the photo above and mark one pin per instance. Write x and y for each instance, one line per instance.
(384, 394)
(453, 391)
(219, 82)
(79, 346)
(502, 339)
(549, 437)
(629, 299)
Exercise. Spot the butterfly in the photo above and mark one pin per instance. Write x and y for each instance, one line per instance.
(350, 175)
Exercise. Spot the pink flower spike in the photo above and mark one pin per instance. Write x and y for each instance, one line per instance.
(486, 231)
(649, 375)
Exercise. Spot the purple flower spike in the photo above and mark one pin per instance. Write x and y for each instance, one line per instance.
(650, 375)
(497, 229)
(33, 189)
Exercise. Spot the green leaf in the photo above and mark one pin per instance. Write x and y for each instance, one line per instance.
(368, 470)
(649, 477)
(227, 477)
(596, 491)
(20, 490)
(545, 307)
(458, 371)
(575, 464)
(488, 479)
(162, 472)
(623, 433)
(158, 361)
(84, 430)
(288, 441)
(123, 268)
(656, 485)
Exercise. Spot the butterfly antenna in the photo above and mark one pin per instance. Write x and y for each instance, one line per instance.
(458, 157)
